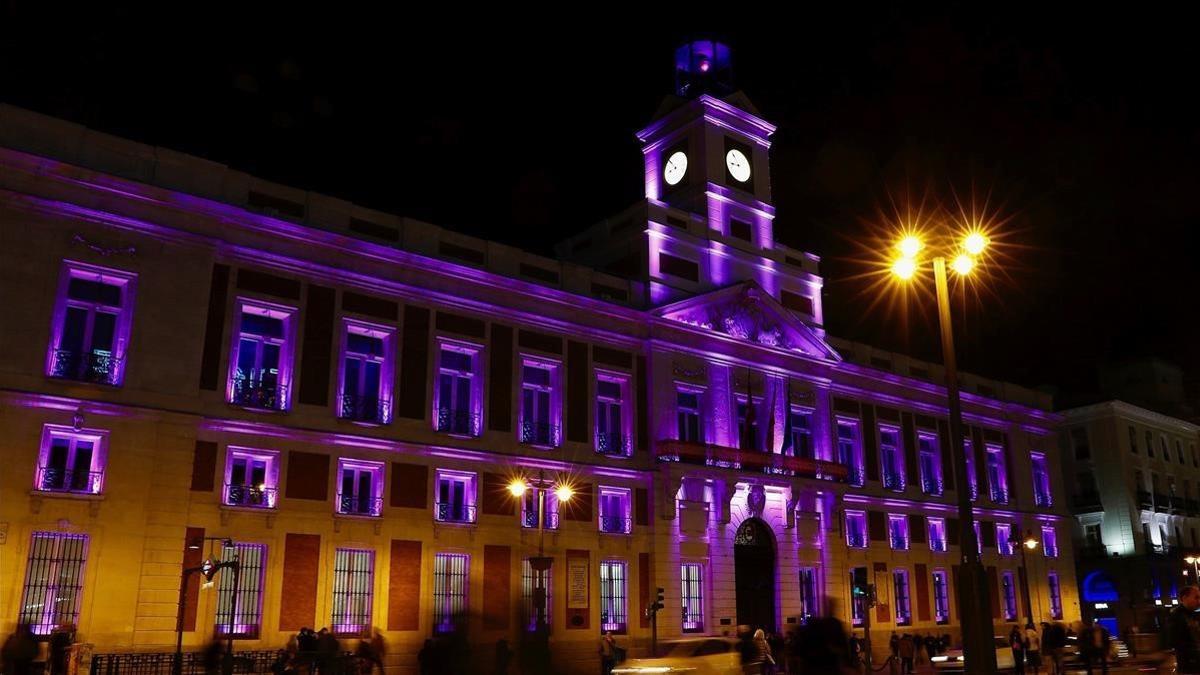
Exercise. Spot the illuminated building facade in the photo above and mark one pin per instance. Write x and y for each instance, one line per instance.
(350, 399)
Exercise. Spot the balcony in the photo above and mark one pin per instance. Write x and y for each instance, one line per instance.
(856, 540)
(899, 543)
(454, 513)
(1042, 499)
(367, 409)
(254, 496)
(613, 445)
(1161, 502)
(457, 422)
(893, 482)
(932, 486)
(97, 366)
(359, 505)
(999, 495)
(257, 394)
(1086, 502)
(937, 545)
(734, 458)
(58, 479)
(539, 433)
(529, 519)
(615, 525)
(1144, 499)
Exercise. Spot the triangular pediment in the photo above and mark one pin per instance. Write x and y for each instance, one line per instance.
(747, 312)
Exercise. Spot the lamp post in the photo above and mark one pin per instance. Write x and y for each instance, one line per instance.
(1194, 561)
(975, 612)
(1028, 543)
(541, 563)
(209, 569)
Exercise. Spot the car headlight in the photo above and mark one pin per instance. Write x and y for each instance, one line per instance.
(940, 659)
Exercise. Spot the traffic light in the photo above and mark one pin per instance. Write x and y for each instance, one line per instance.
(658, 601)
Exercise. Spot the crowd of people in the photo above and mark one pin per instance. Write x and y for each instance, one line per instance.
(312, 652)
(22, 649)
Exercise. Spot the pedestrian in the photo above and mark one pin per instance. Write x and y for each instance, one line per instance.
(1053, 641)
(906, 649)
(1033, 649)
(1096, 639)
(762, 653)
(608, 653)
(945, 643)
(61, 639)
(503, 657)
(425, 659)
(931, 646)
(856, 647)
(328, 650)
(823, 649)
(775, 642)
(1183, 631)
(1016, 641)
(894, 646)
(212, 656)
(20, 649)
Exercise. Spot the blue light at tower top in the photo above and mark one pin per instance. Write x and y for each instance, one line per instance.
(703, 67)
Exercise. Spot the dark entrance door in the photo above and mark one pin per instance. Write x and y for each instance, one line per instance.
(754, 574)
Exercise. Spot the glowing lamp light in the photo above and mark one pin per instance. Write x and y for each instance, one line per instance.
(1191, 559)
(564, 493)
(517, 487)
(974, 243)
(704, 65)
(1031, 543)
(904, 268)
(962, 264)
(909, 246)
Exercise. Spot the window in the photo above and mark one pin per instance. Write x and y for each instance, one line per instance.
(941, 597)
(241, 616)
(535, 594)
(692, 587)
(612, 419)
(858, 590)
(849, 451)
(747, 423)
(1041, 481)
(540, 408)
(808, 593)
(71, 461)
(1050, 541)
(1133, 442)
(856, 529)
(937, 534)
(1166, 449)
(251, 477)
(898, 531)
(92, 319)
(456, 398)
(1004, 543)
(613, 585)
(353, 590)
(1056, 611)
(1092, 536)
(365, 380)
(891, 461)
(978, 538)
(360, 491)
(535, 497)
(929, 464)
(455, 497)
(902, 598)
(1079, 441)
(260, 369)
(997, 474)
(450, 572)
(614, 511)
(1008, 596)
(53, 581)
(687, 414)
(799, 440)
(1195, 456)
(1150, 444)
(972, 477)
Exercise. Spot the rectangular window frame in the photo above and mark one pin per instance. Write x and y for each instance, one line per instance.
(52, 592)
(241, 617)
(859, 518)
(451, 591)
(241, 390)
(683, 415)
(692, 596)
(355, 503)
(1054, 588)
(107, 369)
(1042, 495)
(614, 596)
(898, 535)
(453, 421)
(1050, 541)
(891, 451)
(936, 531)
(358, 406)
(801, 435)
(850, 449)
(941, 597)
(1004, 544)
(997, 473)
(809, 585)
(67, 479)
(264, 495)
(929, 463)
(449, 513)
(610, 441)
(530, 430)
(1008, 595)
(902, 595)
(528, 581)
(614, 523)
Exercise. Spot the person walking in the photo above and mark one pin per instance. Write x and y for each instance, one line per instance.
(1094, 639)
(608, 653)
(906, 650)
(1033, 649)
(1016, 641)
(1183, 631)
(762, 653)
(20, 649)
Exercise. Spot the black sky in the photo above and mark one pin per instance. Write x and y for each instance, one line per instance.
(1080, 130)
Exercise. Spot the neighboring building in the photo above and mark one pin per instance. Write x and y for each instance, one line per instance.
(1134, 478)
(191, 355)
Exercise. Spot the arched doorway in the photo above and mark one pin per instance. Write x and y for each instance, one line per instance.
(754, 574)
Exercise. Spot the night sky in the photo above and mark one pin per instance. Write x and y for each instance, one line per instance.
(1079, 133)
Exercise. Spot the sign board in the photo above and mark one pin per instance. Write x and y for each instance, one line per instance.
(577, 583)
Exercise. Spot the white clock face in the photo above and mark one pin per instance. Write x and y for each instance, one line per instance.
(675, 167)
(738, 165)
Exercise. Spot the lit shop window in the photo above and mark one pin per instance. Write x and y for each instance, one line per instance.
(540, 407)
(251, 477)
(856, 529)
(850, 451)
(1056, 610)
(71, 461)
(260, 365)
(92, 318)
(902, 597)
(1004, 543)
(891, 460)
(240, 615)
(1050, 541)
(457, 401)
(1041, 480)
(614, 583)
(800, 433)
(1008, 596)
(367, 371)
(929, 464)
(450, 571)
(360, 487)
(997, 474)
(941, 597)
(353, 590)
(455, 497)
(612, 415)
(530, 592)
(898, 532)
(937, 534)
(53, 581)
(809, 606)
(692, 592)
(614, 511)
(687, 415)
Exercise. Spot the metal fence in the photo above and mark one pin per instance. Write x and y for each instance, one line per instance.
(247, 662)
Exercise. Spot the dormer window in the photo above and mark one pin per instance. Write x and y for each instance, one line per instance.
(92, 319)
(260, 368)
(540, 406)
(456, 395)
(612, 417)
(366, 373)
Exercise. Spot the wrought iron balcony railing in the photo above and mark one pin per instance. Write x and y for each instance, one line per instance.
(856, 540)
(893, 481)
(97, 366)
(999, 495)
(899, 543)
(253, 393)
(447, 512)
(613, 445)
(973, 488)
(539, 433)
(459, 422)
(257, 496)
(734, 458)
(937, 545)
(615, 525)
(370, 409)
(360, 505)
(931, 486)
(1041, 498)
(530, 519)
(856, 475)
(58, 479)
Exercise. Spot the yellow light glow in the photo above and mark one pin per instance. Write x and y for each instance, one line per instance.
(1191, 559)
(975, 242)
(909, 246)
(564, 493)
(904, 268)
(1031, 543)
(962, 264)
(517, 487)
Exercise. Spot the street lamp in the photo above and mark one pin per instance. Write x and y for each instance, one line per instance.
(1194, 561)
(541, 563)
(976, 617)
(209, 569)
(1028, 543)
